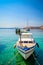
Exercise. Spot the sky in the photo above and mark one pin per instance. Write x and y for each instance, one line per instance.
(21, 13)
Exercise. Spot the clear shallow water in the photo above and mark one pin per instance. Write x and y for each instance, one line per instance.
(10, 56)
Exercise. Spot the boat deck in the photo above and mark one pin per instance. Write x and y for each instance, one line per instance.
(25, 44)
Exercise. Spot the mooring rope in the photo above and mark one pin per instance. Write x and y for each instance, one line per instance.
(11, 59)
(36, 59)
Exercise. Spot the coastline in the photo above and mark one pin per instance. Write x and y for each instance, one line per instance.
(31, 27)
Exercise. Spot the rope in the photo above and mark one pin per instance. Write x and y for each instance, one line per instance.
(11, 59)
(35, 59)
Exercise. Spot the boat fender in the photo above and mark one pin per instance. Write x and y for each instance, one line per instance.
(37, 45)
(15, 46)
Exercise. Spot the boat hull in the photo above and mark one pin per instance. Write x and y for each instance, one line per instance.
(26, 54)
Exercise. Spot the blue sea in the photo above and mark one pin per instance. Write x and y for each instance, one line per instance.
(10, 56)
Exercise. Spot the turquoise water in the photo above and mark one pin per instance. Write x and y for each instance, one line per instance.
(10, 56)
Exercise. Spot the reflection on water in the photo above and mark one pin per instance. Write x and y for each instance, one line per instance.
(7, 52)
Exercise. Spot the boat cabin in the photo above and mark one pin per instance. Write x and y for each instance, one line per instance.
(26, 38)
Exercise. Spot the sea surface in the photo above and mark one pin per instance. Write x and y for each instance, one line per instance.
(10, 56)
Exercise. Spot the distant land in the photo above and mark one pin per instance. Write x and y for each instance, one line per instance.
(31, 27)
(41, 27)
(34, 27)
(11, 28)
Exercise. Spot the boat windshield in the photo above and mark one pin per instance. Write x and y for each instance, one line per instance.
(26, 36)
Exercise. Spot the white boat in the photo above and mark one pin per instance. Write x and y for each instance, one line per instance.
(26, 45)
